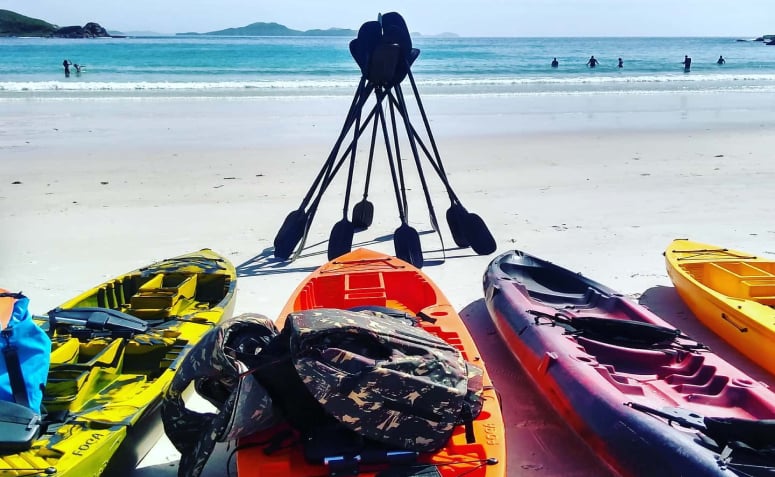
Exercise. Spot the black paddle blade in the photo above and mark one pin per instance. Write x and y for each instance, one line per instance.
(340, 241)
(479, 236)
(363, 215)
(289, 234)
(384, 61)
(396, 32)
(407, 244)
(369, 36)
(456, 219)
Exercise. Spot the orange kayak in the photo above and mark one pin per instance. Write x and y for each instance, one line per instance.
(368, 278)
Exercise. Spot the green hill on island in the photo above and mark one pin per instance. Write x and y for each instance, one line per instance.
(14, 24)
(275, 29)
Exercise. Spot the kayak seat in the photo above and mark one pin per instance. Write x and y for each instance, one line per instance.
(547, 286)
(71, 385)
(163, 295)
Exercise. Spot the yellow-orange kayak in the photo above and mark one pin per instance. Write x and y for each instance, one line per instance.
(729, 291)
(115, 349)
(368, 278)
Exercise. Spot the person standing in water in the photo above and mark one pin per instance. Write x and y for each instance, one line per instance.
(721, 60)
(67, 64)
(621, 63)
(555, 63)
(687, 62)
(592, 62)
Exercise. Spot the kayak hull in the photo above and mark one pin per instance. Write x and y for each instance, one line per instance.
(731, 292)
(598, 384)
(105, 387)
(367, 278)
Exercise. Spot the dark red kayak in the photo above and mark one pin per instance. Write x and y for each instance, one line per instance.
(649, 400)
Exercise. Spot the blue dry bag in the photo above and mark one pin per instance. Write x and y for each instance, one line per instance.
(25, 354)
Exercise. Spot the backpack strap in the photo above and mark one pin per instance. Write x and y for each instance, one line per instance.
(14, 370)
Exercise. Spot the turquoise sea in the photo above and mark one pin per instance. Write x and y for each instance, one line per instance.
(237, 66)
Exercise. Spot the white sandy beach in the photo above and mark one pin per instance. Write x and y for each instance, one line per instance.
(598, 183)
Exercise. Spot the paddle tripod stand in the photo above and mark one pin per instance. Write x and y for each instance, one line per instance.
(384, 53)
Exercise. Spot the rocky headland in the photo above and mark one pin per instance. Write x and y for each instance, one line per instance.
(15, 24)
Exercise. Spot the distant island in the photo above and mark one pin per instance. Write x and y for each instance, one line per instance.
(15, 24)
(274, 29)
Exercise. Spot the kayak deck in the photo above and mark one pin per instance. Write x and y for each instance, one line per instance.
(371, 279)
(737, 280)
(609, 367)
(731, 292)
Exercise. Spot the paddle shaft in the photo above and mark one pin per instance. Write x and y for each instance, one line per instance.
(418, 164)
(325, 170)
(399, 165)
(436, 164)
(334, 169)
(371, 160)
(393, 175)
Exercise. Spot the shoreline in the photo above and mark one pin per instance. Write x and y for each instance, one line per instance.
(539, 85)
(596, 184)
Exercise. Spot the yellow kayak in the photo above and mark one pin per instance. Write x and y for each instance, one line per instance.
(729, 291)
(115, 349)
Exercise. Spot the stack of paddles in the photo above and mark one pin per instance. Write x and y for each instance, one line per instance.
(384, 53)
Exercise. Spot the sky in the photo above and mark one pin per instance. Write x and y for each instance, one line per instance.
(514, 18)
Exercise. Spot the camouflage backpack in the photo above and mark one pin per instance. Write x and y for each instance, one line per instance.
(381, 376)
(216, 366)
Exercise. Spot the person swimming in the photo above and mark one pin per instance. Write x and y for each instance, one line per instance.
(592, 62)
(721, 60)
(687, 62)
(555, 63)
(621, 63)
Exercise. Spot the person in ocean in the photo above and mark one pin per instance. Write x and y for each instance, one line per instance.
(621, 63)
(77, 69)
(721, 60)
(687, 62)
(67, 64)
(555, 63)
(592, 62)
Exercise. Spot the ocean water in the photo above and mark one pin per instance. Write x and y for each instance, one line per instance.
(253, 66)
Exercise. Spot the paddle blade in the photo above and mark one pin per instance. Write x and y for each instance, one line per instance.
(456, 219)
(340, 241)
(407, 244)
(479, 236)
(369, 36)
(289, 234)
(363, 215)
